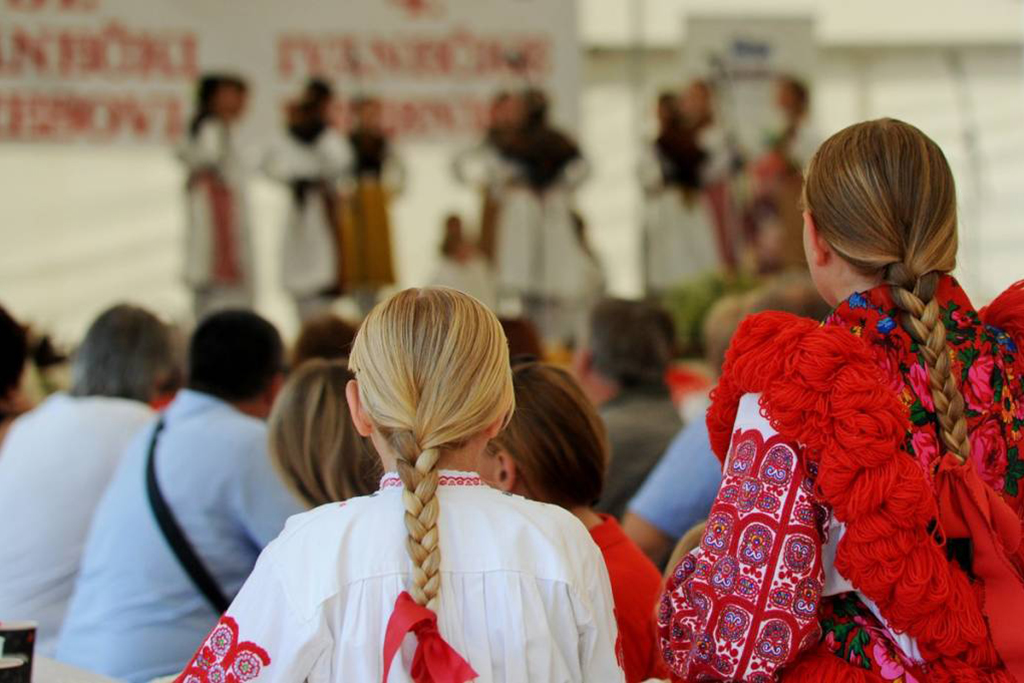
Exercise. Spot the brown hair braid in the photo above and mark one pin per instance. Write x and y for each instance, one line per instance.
(882, 195)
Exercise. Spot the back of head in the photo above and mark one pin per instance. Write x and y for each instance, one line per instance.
(127, 353)
(555, 437)
(13, 353)
(631, 342)
(326, 336)
(313, 442)
(433, 372)
(882, 195)
(234, 355)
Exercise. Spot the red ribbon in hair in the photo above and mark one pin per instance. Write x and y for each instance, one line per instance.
(970, 509)
(435, 660)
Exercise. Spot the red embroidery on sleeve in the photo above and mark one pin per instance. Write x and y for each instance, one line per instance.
(745, 602)
(222, 659)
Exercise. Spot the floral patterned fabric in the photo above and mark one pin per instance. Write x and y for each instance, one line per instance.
(744, 603)
(988, 371)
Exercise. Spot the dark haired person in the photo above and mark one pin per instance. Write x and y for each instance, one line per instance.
(58, 458)
(622, 367)
(555, 450)
(218, 244)
(679, 231)
(310, 160)
(541, 258)
(136, 614)
(378, 175)
(13, 354)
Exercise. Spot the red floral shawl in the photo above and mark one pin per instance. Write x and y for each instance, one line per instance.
(865, 417)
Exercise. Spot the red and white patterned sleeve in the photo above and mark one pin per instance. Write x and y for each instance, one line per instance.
(744, 603)
(261, 638)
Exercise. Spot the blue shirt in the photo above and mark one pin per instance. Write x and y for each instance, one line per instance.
(679, 491)
(135, 614)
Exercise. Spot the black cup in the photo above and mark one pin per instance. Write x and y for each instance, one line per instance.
(14, 670)
(19, 642)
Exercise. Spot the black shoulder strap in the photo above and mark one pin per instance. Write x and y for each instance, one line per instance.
(175, 537)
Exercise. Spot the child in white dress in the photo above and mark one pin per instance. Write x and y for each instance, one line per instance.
(436, 577)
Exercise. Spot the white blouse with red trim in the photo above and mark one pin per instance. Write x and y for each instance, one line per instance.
(524, 594)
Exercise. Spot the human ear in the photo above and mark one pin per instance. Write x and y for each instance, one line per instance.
(507, 475)
(817, 250)
(360, 419)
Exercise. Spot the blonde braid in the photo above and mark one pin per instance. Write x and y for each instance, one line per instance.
(915, 296)
(418, 471)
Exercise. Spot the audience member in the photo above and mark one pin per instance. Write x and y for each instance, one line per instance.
(313, 443)
(326, 336)
(489, 586)
(13, 354)
(661, 512)
(622, 370)
(555, 450)
(523, 338)
(137, 613)
(58, 458)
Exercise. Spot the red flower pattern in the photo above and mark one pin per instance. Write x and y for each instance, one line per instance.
(222, 659)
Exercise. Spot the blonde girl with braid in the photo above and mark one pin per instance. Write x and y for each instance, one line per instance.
(868, 526)
(436, 576)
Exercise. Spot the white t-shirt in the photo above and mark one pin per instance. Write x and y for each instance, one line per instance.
(524, 594)
(54, 466)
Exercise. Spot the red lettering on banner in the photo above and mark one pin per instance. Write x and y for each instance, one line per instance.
(47, 117)
(59, 5)
(441, 114)
(459, 54)
(112, 51)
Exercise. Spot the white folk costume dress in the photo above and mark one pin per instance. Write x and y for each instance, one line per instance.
(680, 240)
(524, 597)
(311, 166)
(845, 543)
(219, 266)
(482, 168)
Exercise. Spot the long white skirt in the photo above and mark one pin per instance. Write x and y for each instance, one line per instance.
(309, 261)
(680, 242)
(539, 253)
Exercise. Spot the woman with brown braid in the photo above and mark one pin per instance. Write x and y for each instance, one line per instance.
(436, 577)
(868, 527)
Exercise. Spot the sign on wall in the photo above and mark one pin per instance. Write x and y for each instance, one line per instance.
(123, 71)
(742, 56)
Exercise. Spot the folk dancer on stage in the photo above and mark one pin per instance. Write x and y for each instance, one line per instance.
(480, 166)
(777, 178)
(378, 175)
(541, 258)
(679, 232)
(868, 524)
(311, 160)
(219, 265)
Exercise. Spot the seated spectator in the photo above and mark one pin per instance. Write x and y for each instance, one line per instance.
(313, 443)
(523, 338)
(137, 613)
(13, 354)
(325, 336)
(662, 511)
(622, 370)
(58, 458)
(437, 576)
(555, 450)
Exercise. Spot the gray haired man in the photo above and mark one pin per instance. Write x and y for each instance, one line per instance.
(57, 459)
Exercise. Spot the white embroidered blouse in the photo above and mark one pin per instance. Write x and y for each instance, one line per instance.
(524, 594)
